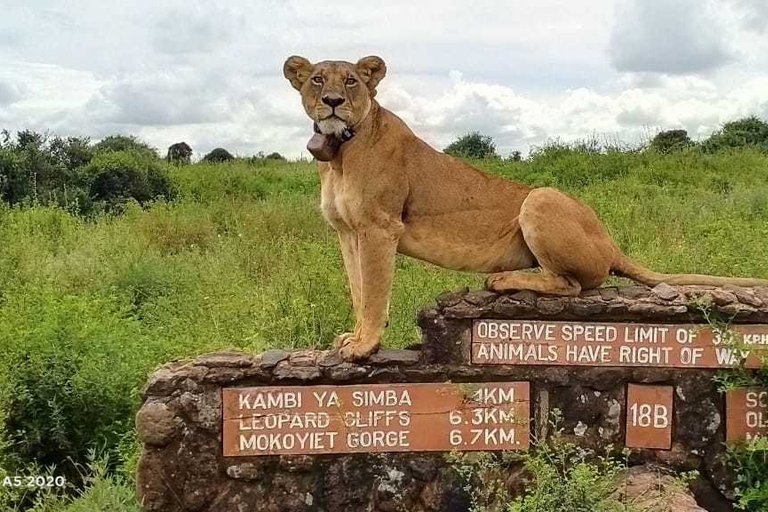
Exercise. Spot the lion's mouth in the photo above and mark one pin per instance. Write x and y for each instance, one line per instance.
(332, 125)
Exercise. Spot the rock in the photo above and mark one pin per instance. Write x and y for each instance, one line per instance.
(329, 358)
(481, 297)
(737, 309)
(609, 293)
(303, 358)
(745, 295)
(224, 375)
(169, 377)
(550, 305)
(582, 307)
(225, 360)
(633, 292)
(722, 297)
(464, 310)
(525, 296)
(156, 424)
(449, 299)
(506, 307)
(346, 372)
(284, 371)
(244, 471)
(400, 357)
(297, 463)
(202, 409)
(647, 488)
(664, 291)
(272, 358)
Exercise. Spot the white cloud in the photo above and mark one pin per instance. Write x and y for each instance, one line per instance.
(193, 29)
(753, 14)
(518, 71)
(164, 98)
(675, 37)
(11, 93)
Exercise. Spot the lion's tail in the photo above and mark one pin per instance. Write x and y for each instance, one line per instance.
(625, 267)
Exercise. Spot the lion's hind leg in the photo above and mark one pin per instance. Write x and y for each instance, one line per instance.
(542, 282)
(568, 241)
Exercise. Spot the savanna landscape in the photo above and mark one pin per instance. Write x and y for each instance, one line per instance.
(114, 260)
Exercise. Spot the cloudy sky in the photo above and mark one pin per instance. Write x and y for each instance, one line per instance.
(520, 71)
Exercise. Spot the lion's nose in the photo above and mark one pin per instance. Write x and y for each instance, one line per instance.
(333, 100)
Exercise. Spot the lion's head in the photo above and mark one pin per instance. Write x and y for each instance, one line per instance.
(336, 94)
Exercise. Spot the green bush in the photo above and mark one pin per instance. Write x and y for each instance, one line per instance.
(567, 480)
(127, 143)
(275, 156)
(747, 132)
(750, 463)
(563, 478)
(670, 140)
(38, 170)
(218, 155)
(69, 382)
(472, 145)
(179, 153)
(122, 175)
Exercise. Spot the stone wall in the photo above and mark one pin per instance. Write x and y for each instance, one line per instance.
(180, 422)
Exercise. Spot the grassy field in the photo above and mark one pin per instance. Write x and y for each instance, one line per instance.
(242, 259)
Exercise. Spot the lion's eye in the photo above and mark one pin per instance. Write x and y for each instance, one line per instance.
(317, 79)
(351, 81)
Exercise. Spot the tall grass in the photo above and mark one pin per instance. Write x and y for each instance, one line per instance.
(243, 260)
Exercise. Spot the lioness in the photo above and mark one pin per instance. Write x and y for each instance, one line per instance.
(384, 191)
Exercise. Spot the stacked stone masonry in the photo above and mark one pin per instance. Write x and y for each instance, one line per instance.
(180, 422)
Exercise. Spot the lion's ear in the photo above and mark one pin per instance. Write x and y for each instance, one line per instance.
(371, 69)
(297, 69)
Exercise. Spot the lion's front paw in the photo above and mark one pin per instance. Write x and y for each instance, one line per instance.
(354, 349)
(340, 340)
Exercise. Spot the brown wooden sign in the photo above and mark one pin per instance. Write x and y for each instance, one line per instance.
(649, 416)
(531, 342)
(376, 418)
(746, 414)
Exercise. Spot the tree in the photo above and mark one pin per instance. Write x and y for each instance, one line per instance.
(472, 145)
(125, 143)
(275, 156)
(218, 155)
(750, 131)
(179, 153)
(670, 140)
(118, 176)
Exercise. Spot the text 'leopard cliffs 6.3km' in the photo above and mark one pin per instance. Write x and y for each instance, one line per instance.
(384, 190)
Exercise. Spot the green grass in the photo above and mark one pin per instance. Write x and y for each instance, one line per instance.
(244, 260)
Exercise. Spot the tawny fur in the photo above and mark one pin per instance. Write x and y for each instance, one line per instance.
(387, 191)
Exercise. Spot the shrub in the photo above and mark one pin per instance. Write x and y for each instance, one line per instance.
(218, 155)
(275, 156)
(121, 175)
(750, 131)
(560, 477)
(567, 481)
(179, 153)
(115, 143)
(68, 383)
(750, 463)
(36, 169)
(670, 140)
(472, 145)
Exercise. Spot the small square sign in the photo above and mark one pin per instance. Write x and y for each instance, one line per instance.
(649, 416)
(746, 414)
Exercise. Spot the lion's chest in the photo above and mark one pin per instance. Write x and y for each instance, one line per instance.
(337, 200)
